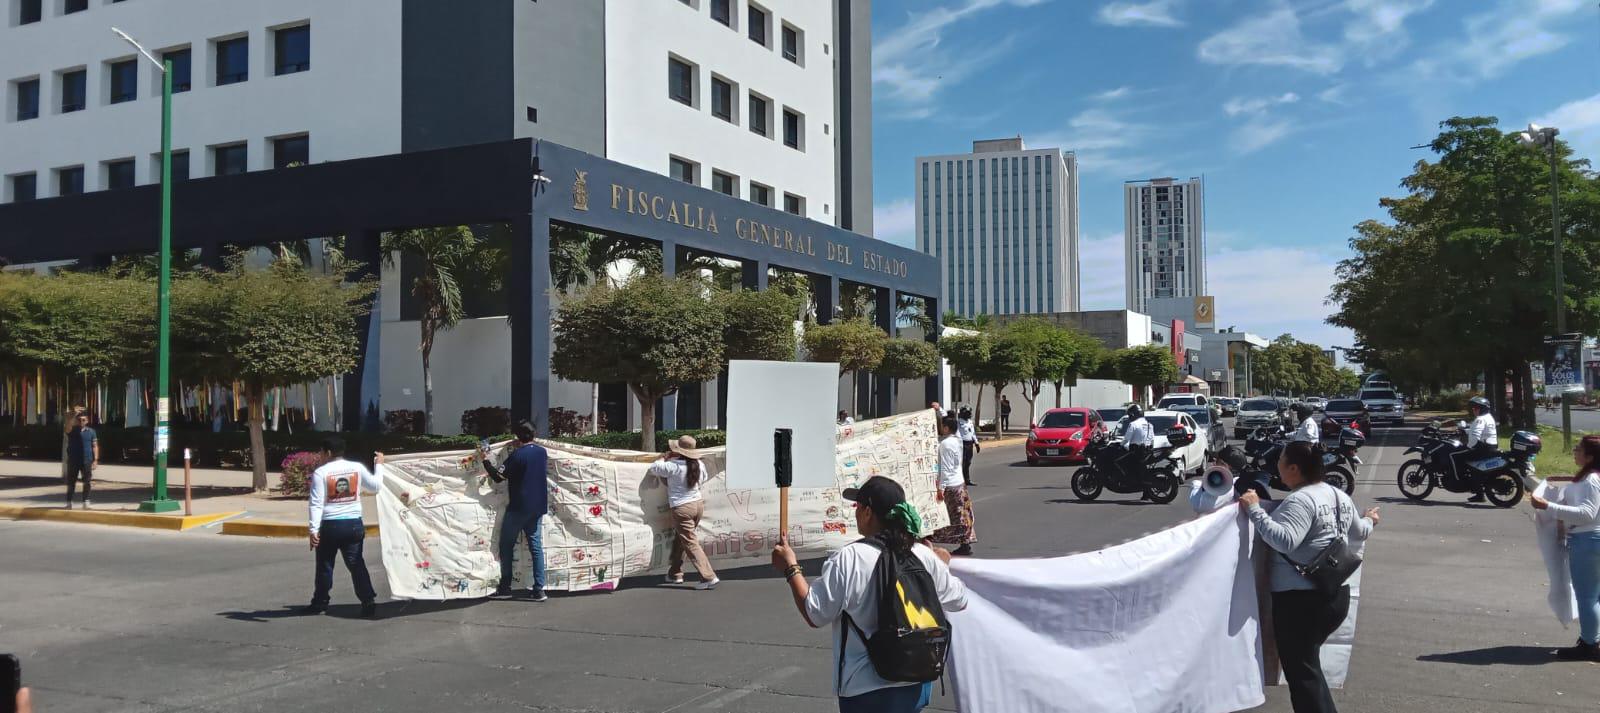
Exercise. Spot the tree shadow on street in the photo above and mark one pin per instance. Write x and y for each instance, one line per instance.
(1496, 655)
(1125, 503)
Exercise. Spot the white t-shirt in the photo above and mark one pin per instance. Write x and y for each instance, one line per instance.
(1139, 433)
(845, 587)
(336, 490)
(676, 473)
(1482, 430)
(950, 462)
(1579, 508)
(1309, 431)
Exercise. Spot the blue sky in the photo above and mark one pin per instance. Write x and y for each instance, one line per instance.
(1300, 115)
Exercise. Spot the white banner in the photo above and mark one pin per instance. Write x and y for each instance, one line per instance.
(1167, 623)
(608, 520)
(1553, 547)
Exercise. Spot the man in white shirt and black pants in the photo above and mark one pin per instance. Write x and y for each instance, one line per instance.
(969, 442)
(337, 528)
(1137, 439)
(1483, 441)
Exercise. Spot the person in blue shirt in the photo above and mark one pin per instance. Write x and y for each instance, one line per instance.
(83, 456)
(527, 478)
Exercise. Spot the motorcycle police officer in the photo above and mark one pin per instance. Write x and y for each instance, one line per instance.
(1309, 431)
(1137, 438)
(1483, 441)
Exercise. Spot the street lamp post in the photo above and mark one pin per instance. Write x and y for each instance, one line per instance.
(159, 502)
(1545, 137)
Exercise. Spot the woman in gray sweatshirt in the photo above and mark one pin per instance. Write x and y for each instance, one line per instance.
(1298, 530)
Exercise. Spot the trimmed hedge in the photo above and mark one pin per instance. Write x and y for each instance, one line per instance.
(629, 440)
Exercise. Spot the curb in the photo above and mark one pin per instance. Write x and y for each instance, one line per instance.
(1007, 441)
(172, 523)
(255, 527)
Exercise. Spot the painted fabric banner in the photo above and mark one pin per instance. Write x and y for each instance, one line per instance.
(1553, 548)
(1167, 623)
(439, 512)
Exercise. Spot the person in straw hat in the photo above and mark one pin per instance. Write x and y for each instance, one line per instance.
(682, 469)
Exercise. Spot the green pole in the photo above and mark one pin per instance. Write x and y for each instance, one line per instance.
(159, 502)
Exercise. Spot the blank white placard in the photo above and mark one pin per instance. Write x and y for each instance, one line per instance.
(764, 396)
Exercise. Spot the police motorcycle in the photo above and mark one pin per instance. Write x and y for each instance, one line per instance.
(1502, 477)
(1158, 480)
(1343, 447)
(1266, 444)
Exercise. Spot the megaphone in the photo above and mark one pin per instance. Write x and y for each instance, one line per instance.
(1217, 481)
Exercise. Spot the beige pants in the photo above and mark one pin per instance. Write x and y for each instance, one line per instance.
(685, 520)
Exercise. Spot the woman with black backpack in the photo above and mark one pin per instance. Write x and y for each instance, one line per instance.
(890, 584)
(1308, 532)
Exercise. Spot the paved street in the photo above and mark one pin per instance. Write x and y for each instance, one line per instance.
(109, 619)
(1582, 420)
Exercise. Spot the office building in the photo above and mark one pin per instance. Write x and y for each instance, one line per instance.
(1165, 239)
(1003, 222)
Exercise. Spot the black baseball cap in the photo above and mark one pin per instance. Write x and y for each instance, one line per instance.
(879, 494)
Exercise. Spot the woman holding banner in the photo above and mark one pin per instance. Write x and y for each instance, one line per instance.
(1310, 520)
(681, 468)
(1581, 516)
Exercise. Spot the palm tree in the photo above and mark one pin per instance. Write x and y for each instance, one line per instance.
(444, 254)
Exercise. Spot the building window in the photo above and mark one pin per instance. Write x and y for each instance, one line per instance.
(233, 60)
(119, 174)
(229, 160)
(791, 44)
(758, 21)
(760, 194)
(72, 6)
(31, 12)
(180, 69)
(683, 170)
(291, 49)
(792, 124)
(760, 115)
(724, 183)
(69, 181)
(722, 11)
(721, 99)
(124, 81)
(27, 99)
(794, 204)
(680, 81)
(180, 167)
(73, 87)
(24, 187)
(291, 151)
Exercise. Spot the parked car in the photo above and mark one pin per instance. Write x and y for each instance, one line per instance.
(1257, 412)
(1191, 458)
(1384, 405)
(1228, 404)
(1347, 411)
(1216, 434)
(1112, 417)
(1060, 435)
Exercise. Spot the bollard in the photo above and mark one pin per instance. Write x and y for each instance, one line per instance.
(188, 499)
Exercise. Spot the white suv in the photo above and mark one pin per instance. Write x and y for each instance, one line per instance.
(1384, 405)
(1182, 399)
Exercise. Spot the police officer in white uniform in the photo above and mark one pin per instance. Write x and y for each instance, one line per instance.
(1483, 441)
(1309, 431)
(1138, 437)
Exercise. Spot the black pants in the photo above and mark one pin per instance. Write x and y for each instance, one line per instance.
(1302, 620)
(967, 449)
(1005, 421)
(342, 537)
(1132, 462)
(75, 471)
(1459, 459)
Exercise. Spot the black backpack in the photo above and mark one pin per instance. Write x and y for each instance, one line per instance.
(913, 636)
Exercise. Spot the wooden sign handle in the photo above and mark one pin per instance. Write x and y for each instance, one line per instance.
(783, 512)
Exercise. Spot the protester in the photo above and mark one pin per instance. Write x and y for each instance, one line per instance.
(1579, 511)
(337, 527)
(953, 491)
(844, 419)
(527, 477)
(83, 456)
(846, 596)
(1005, 413)
(69, 421)
(1304, 524)
(682, 469)
(969, 442)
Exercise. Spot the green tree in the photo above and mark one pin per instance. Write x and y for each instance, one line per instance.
(856, 345)
(1144, 366)
(444, 257)
(1011, 359)
(1349, 382)
(1047, 351)
(909, 359)
(654, 334)
(759, 324)
(1087, 356)
(967, 353)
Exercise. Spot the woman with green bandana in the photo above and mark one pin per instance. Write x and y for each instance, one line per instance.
(845, 595)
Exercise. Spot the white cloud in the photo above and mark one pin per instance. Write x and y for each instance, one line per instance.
(895, 222)
(1259, 133)
(1579, 122)
(1272, 38)
(1254, 105)
(1273, 290)
(1153, 13)
(911, 68)
(1101, 268)
(1107, 144)
(1498, 39)
(1378, 29)
(1113, 94)
(1334, 94)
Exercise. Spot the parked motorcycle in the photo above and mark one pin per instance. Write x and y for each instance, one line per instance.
(1344, 446)
(1502, 477)
(1265, 445)
(1158, 480)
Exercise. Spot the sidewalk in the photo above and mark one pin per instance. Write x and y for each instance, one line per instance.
(222, 500)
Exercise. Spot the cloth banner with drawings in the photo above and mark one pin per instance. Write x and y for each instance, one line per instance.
(439, 513)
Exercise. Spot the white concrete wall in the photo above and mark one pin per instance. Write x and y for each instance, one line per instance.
(348, 102)
(645, 127)
(1091, 393)
(471, 368)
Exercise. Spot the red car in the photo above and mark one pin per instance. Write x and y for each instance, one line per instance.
(1061, 434)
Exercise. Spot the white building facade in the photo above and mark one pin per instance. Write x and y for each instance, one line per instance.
(769, 101)
(1164, 239)
(1003, 221)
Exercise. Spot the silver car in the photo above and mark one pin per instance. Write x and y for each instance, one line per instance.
(1255, 413)
(1384, 405)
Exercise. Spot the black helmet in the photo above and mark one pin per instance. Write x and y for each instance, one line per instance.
(1303, 411)
(1481, 403)
(1135, 412)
